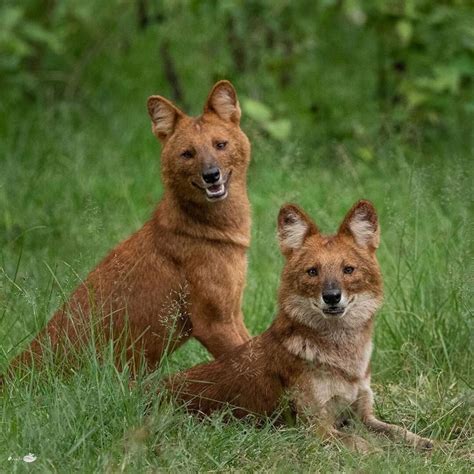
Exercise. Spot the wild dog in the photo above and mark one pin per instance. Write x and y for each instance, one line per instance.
(317, 351)
(183, 273)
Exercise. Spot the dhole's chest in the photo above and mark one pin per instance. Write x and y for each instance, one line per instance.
(323, 392)
(328, 388)
(217, 273)
(218, 259)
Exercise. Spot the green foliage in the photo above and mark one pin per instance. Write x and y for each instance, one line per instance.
(263, 116)
(426, 53)
(43, 43)
(411, 59)
(19, 40)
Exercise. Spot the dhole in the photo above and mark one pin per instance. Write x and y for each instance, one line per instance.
(317, 351)
(183, 273)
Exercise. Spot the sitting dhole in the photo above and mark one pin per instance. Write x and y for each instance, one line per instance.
(317, 351)
(183, 273)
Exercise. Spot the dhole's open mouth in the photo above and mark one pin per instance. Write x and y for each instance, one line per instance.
(334, 311)
(329, 310)
(217, 191)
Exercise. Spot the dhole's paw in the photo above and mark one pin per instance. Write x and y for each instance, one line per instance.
(424, 444)
(360, 445)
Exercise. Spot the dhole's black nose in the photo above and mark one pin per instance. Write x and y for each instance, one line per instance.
(332, 296)
(211, 175)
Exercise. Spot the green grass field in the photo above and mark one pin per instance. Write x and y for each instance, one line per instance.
(79, 175)
(74, 182)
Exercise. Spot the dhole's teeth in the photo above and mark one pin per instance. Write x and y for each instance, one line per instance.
(215, 190)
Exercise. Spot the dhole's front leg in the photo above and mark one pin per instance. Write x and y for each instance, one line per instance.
(218, 337)
(364, 409)
(241, 328)
(323, 420)
(327, 433)
(217, 332)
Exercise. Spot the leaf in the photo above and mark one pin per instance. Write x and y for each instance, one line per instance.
(256, 110)
(278, 129)
(405, 31)
(444, 79)
(36, 33)
(355, 13)
(10, 17)
(14, 46)
(365, 154)
(414, 94)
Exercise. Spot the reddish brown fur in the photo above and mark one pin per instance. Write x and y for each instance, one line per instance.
(319, 359)
(183, 273)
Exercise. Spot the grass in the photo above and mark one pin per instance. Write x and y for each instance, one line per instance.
(77, 178)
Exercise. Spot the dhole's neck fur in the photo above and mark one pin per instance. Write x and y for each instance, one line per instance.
(332, 345)
(227, 221)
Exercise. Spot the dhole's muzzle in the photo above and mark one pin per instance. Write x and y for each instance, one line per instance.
(214, 183)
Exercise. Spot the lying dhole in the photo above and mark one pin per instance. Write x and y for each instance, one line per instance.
(317, 351)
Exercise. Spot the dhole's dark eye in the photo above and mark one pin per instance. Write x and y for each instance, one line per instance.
(348, 269)
(312, 272)
(187, 154)
(221, 145)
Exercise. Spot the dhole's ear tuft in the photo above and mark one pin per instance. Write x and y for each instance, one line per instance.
(164, 116)
(362, 224)
(223, 101)
(294, 226)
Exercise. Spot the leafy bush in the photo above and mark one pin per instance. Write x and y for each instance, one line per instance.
(406, 59)
(44, 43)
(426, 53)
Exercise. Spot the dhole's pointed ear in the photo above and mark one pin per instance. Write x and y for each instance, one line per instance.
(223, 101)
(362, 224)
(164, 116)
(294, 226)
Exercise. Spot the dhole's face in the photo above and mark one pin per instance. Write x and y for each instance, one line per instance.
(202, 157)
(334, 278)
